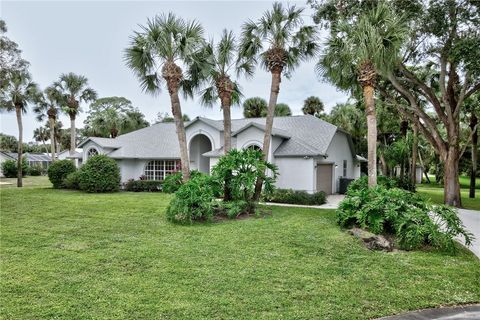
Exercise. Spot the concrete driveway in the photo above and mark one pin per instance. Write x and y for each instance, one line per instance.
(471, 220)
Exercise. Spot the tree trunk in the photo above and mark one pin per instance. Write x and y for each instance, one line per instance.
(227, 144)
(371, 134)
(73, 134)
(451, 182)
(473, 171)
(18, 111)
(384, 165)
(414, 154)
(180, 129)
(51, 122)
(272, 103)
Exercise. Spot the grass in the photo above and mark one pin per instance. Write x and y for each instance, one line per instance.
(72, 255)
(434, 191)
(39, 181)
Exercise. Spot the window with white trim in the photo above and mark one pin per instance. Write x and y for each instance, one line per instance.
(92, 152)
(344, 168)
(159, 169)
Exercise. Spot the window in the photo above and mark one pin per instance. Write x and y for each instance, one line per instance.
(159, 169)
(92, 152)
(344, 168)
(254, 147)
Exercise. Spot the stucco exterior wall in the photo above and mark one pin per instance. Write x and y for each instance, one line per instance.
(131, 168)
(202, 128)
(295, 173)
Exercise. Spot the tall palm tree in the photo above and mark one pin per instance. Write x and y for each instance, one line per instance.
(281, 41)
(255, 107)
(220, 86)
(154, 54)
(17, 93)
(49, 108)
(42, 134)
(313, 106)
(282, 110)
(357, 52)
(73, 90)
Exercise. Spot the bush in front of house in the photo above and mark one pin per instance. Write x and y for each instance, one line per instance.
(72, 181)
(413, 220)
(194, 200)
(296, 197)
(173, 182)
(35, 170)
(9, 168)
(59, 170)
(404, 183)
(99, 174)
(143, 185)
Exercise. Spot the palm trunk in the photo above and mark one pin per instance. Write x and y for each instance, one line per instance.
(473, 171)
(414, 154)
(227, 144)
(371, 134)
(451, 182)
(180, 129)
(51, 121)
(18, 111)
(272, 103)
(73, 134)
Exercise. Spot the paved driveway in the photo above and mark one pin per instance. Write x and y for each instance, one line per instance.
(471, 220)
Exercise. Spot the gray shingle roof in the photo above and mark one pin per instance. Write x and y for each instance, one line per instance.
(304, 136)
(102, 142)
(32, 157)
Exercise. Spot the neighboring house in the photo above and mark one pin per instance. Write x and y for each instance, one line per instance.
(77, 157)
(4, 156)
(311, 154)
(42, 160)
(418, 172)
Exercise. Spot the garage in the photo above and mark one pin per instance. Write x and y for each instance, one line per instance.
(324, 178)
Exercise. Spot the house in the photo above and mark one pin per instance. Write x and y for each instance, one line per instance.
(42, 160)
(4, 156)
(76, 157)
(310, 154)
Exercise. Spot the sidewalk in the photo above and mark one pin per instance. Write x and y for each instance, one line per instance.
(451, 313)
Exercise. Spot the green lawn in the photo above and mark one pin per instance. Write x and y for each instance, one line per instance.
(40, 181)
(72, 255)
(434, 191)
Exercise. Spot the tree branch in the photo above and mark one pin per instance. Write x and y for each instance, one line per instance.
(461, 98)
(468, 140)
(474, 89)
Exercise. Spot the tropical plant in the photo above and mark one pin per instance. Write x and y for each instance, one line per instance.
(8, 143)
(165, 41)
(111, 116)
(49, 107)
(72, 91)
(10, 56)
(255, 107)
(281, 41)
(17, 93)
(282, 110)
(41, 134)
(357, 51)
(313, 106)
(166, 118)
(296, 197)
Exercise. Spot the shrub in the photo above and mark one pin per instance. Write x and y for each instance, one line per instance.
(243, 167)
(413, 220)
(362, 183)
(233, 209)
(72, 181)
(9, 168)
(143, 185)
(194, 200)
(99, 174)
(406, 183)
(59, 170)
(173, 182)
(296, 197)
(35, 170)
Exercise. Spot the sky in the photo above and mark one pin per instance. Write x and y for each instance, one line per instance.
(89, 38)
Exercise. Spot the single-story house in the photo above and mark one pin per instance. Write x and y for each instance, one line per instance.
(42, 160)
(77, 156)
(310, 154)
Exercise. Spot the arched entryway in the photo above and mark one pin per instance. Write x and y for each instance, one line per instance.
(200, 144)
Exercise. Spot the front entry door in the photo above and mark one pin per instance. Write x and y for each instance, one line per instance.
(324, 178)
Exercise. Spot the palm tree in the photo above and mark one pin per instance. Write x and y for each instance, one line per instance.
(356, 53)
(73, 90)
(282, 110)
(313, 106)
(42, 134)
(281, 41)
(49, 108)
(17, 93)
(255, 107)
(220, 86)
(154, 54)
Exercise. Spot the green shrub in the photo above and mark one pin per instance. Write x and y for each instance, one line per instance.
(296, 197)
(362, 183)
(99, 174)
(143, 185)
(72, 181)
(406, 183)
(233, 209)
(243, 167)
(194, 200)
(35, 170)
(410, 217)
(173, 182)
(58, 171)
(9, 168)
